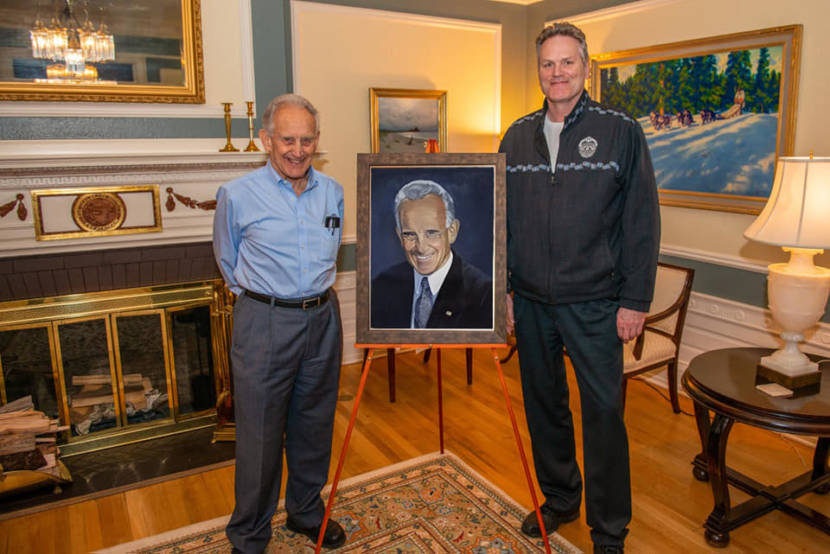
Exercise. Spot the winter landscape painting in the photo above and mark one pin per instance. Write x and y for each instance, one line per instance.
(405, 120)
(716, 112)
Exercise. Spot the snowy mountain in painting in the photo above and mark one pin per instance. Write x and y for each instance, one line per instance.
(731, 156)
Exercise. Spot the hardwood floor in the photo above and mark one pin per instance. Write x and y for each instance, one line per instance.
(669, 504)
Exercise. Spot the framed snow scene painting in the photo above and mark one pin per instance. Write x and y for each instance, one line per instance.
(717, 112)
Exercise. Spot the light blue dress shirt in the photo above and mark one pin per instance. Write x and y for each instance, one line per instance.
(266, 239)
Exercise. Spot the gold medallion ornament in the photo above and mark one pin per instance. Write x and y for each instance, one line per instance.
(99, 211)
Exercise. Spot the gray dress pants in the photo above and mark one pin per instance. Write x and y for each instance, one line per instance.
(286, 371)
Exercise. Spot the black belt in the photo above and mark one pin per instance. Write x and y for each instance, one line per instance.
(303, 303)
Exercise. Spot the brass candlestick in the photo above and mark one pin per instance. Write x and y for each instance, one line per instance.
(251, 146)
(228, 146)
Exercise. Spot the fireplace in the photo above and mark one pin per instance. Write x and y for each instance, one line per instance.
(72, 303)
(118, 366)
(120, 334)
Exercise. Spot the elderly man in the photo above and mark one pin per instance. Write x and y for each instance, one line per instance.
(275, 237)
(583, 236)
(434, 288)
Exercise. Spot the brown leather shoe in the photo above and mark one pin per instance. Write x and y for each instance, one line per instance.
(334, 537)
(552, 519)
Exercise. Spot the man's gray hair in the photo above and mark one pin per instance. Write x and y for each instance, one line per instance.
(282, 100)
(567, 30)
(415, 190)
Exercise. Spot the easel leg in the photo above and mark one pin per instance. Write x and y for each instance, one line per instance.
(440, 404)
(366, 365)
(521, 452)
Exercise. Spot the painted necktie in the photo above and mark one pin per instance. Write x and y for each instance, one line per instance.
(423, 306)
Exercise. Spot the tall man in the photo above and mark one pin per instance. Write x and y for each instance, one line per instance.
(434, 288)
(582, 242)
(275, 237)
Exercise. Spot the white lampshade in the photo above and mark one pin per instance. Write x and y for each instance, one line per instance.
(797, 213)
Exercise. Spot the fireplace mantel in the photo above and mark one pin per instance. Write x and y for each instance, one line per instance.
(193, 169)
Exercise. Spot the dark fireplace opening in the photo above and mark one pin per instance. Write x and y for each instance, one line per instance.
(127, 351)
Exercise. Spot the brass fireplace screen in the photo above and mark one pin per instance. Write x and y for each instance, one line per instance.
(113, 362)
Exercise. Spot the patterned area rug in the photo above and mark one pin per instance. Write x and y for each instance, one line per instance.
(431, 504)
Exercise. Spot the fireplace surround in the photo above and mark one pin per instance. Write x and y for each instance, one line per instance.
(120, 365)
(122, 337)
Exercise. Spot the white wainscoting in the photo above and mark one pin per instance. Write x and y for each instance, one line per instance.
(346, 294)
(711, 323)
(714, 322)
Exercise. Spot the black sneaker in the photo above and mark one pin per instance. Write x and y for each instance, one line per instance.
(333, 538)
(608, 549)
(551, 518)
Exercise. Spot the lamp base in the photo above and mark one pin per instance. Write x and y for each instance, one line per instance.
(795, 378)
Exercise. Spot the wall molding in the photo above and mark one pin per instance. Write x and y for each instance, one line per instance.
(195, 174)
(713, 258)
(300, 6)
(711, 323)
(113, 109)
(615, 11)
(247, 58)
(89, 152)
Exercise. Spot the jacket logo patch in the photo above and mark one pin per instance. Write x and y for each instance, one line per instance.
(587, 147)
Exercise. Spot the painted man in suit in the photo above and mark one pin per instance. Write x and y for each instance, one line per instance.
(434, 288)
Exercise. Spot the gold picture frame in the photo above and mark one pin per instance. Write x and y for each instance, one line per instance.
(96, 211)
(161, 61)
(722, 107)
(404, 120)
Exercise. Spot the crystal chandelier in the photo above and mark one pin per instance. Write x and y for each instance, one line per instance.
(70, 44)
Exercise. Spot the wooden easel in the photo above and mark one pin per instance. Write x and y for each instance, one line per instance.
(367, 364)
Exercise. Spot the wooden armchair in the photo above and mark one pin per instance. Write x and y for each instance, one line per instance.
(659, 344)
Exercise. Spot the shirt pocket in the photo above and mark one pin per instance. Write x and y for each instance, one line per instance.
(329, 244)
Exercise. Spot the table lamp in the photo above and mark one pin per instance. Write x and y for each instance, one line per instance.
(797, 218)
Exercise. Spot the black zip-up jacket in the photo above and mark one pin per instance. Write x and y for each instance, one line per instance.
(589, 228)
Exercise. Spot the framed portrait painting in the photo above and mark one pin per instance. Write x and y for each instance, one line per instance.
(406, 120)
(431, 255)
(717, 112)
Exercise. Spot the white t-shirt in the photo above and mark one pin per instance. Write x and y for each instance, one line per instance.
(552, 130)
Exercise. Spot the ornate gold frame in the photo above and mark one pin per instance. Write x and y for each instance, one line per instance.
(192, 92)
(171, 361)
(374, 121)
(104, 192)
(116, 348)
(50, 332)
(56, 325)
(788, 37)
